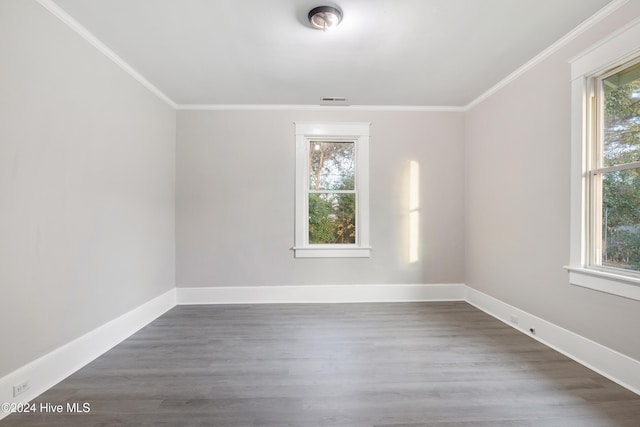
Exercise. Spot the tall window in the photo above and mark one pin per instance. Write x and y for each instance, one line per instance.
(332, 190)
(615, 169)
(605, 166)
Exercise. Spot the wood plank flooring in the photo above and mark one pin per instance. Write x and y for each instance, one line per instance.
(340, 365)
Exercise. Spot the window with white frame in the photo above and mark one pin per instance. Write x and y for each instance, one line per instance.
(332, 190)
(605, 219)
(614, 169)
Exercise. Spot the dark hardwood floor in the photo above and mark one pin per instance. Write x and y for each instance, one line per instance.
(342, 365)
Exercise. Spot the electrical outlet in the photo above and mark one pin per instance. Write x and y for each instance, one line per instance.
(18, 389)
(515, 320)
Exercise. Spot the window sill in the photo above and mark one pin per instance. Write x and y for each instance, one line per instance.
(604, 281)
(332, 252)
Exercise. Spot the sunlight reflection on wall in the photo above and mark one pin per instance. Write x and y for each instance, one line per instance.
(414, 211)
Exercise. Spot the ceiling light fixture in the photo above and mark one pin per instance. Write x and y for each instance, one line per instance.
(325, 17)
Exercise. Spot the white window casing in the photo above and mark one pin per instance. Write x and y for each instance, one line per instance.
(620, 48)
(358, 133)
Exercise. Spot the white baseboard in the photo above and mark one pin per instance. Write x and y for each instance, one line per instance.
(320, 294)
(52, 368)
(603, 360)
(47, 371)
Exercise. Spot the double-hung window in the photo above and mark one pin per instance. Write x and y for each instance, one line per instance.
(332, 190)
(605, 242)
(614, 170)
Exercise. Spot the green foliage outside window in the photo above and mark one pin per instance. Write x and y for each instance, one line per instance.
(332, 198)
(332, 218)
(621, 189)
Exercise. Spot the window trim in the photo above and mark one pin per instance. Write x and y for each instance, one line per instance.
(358, 132)
(620, 48)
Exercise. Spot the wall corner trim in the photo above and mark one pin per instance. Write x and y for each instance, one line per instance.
(50, 369)
(75, 26)
(609, 363)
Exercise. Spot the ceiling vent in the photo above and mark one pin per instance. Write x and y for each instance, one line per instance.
(334, 100)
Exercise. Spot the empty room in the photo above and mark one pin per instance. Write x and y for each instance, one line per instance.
(362, 213)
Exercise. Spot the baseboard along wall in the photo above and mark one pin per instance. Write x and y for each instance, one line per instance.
(320, 294)
(603, 360)
(43, 373)
(47, 371)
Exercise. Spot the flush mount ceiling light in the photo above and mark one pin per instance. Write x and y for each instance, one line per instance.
(325, 17)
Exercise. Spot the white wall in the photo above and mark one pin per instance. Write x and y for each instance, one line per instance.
(87, 172)
(88, 164)
(517, 201)
(235, 199)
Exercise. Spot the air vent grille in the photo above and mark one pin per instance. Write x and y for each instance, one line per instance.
(333, 100)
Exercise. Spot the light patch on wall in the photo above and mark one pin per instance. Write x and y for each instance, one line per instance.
(414, 211)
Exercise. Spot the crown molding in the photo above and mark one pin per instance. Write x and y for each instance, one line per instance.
(566, 39)
(74, 25)
(305, 107)
(58, 12)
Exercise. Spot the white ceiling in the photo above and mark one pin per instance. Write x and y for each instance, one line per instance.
(402, 52)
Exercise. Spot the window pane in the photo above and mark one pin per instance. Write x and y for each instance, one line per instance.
(332, 218)
(621, 128)
(332, 165)
(621, 219)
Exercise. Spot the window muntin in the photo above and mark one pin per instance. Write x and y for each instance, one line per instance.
(332, 190)
(331, 206)
(614, 172)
